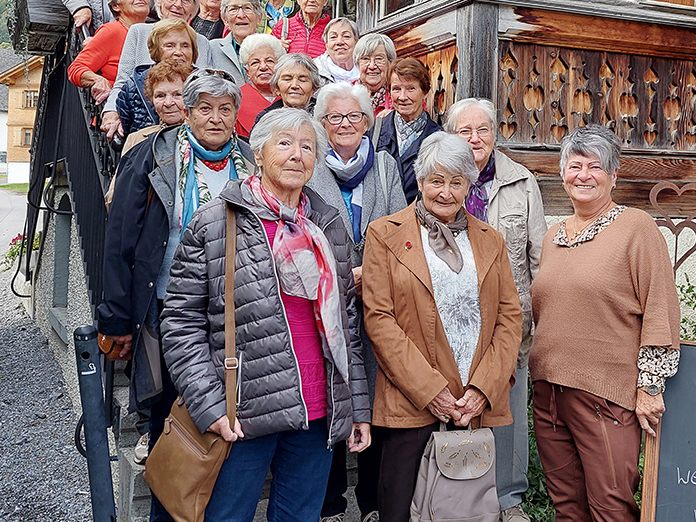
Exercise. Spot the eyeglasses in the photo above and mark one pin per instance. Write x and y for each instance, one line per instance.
(336, 119)
(482, 132)
(380, 60)
(199, 73)
(234, 10)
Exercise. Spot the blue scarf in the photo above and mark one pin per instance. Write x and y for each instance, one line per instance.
(275, 14)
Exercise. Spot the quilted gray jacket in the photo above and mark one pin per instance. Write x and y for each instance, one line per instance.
(193, 326)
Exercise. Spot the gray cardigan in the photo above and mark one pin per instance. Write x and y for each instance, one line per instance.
(135, 53)
(223, 56)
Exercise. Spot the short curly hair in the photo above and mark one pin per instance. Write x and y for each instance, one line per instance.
(165, 26)
(165, 71)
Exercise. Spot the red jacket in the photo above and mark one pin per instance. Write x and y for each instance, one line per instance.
(253, 102)
(101, 54)
(312, 44)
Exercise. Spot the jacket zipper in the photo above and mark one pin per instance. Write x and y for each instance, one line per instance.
(607, 446)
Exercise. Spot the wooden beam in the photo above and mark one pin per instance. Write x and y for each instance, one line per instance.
(552, 28)
(477, 42)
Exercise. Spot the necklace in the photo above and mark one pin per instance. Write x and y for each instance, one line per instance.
(576, 232)
(217, 166)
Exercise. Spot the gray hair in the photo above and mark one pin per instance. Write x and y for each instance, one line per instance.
(456, 110)
(447, 151)
(225, 5)
(287, 119)
(291, 60)
(202, 82)
(592, 141)
(341, 20)
(344, 90)
(193, 12)
(255, 41)
(369, 43)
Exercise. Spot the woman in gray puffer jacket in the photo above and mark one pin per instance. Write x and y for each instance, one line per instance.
(301, 377)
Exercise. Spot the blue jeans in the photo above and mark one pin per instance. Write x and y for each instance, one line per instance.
(512, 447)
(299, 462)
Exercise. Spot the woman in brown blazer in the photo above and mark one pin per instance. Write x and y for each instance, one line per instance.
(443, 315)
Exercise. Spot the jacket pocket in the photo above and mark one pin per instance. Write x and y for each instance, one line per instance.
(602, 419)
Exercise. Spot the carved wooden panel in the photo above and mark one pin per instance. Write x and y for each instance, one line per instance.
(544, 92)
(442, 65)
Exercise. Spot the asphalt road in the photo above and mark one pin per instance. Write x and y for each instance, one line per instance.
(13, 209)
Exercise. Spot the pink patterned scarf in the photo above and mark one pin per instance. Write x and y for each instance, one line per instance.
(305, 264)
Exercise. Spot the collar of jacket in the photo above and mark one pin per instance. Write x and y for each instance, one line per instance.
(507, 171)
(404, 241)
(139, 77)
(228, 48)
(322, 214)
(387, 138)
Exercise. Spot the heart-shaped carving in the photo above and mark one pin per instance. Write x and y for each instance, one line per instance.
(665, 220)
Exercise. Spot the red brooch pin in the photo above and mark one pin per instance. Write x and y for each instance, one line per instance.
(408, 245)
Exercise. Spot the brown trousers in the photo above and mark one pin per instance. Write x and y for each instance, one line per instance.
(589, 451)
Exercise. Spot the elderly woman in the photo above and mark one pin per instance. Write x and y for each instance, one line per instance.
(295, 79)
(208, 21)
(259, 54)
(403, 130)
(303, 32)
(136, 52)
(160, 184)
(442, 312)
(96, 66)
(296, 322)
(606, 337)
(506, 196)
(337, 64)
(275, 11)
(374, 53)
(242, 17)
(363, 186)
(171, 39)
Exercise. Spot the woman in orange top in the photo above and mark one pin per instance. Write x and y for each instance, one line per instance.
(97, 64)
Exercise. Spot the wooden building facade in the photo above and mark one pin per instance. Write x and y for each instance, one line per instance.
(551, 66)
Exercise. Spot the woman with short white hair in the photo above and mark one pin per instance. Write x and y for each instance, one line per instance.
(374, 53)
(301, 380)
(337, 64)
(259, 54)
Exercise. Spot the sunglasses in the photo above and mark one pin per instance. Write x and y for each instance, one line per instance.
(200, 73)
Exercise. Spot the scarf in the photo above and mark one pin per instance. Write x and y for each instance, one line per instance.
(379, 97)
(441, 236)
(305, 263)
(349, 176)
(192, 186)
(273, 15)
(339, 74)
(477, 199)
(407, 132)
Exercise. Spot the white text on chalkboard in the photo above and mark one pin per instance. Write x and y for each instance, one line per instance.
(690, 478)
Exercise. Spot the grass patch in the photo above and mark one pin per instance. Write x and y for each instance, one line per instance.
(18, 188)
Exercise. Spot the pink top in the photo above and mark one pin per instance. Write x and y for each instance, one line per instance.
(306, 344)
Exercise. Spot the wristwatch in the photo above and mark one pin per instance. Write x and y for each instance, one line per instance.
(652, 390)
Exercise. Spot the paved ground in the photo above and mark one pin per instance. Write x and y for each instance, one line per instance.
(42, 476)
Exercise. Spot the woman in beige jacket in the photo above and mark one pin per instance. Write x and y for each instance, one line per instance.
(443, 315)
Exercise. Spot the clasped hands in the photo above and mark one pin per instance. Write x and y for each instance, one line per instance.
(446, 407)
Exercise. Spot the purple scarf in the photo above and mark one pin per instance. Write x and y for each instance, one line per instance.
(477, 199)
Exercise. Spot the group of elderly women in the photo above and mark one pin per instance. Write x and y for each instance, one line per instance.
(389, 275)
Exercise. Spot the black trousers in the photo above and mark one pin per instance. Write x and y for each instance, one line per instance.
(368, 475)
(402, 450)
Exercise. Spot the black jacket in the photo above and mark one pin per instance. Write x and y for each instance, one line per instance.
(134, 109)
(387, 141)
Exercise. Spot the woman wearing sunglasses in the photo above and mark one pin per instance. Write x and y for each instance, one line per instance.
(362, 185)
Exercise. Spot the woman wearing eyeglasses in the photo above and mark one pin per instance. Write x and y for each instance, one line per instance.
(374, 54)
(507, 197)
(362, 185)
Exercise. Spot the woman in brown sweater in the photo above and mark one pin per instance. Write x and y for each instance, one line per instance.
(607, 336)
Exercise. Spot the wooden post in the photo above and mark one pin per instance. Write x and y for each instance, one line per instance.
(477, 42)
(651, 466)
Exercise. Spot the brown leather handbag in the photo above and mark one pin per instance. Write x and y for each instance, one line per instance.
(184, 464)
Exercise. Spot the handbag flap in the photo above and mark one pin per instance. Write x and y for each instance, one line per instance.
(464, 454)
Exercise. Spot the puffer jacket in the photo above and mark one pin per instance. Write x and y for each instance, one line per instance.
(516, 211)
(134, 109)
(193, 326)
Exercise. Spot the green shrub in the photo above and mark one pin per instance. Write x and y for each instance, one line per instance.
(687, 296)
(537, 503)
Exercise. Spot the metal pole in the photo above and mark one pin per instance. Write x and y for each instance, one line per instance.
(91, 396)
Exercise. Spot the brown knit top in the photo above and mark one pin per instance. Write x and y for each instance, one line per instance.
(595, 305)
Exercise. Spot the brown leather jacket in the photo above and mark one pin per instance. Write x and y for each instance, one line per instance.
(401, 318)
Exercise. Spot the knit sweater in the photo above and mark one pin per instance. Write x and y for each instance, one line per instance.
(595, 304)
(101, 54)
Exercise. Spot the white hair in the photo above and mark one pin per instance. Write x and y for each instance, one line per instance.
(341, 20)
(344, 90)
(193, 12)
(204, 83)
(369, 43)
(446, 151)
(253, 42)
(225, 5)
(287, 119)
(456, 110)
(291, 60)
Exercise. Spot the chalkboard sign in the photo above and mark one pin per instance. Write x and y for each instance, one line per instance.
(669, 481)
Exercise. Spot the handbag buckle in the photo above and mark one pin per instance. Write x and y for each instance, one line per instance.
(231, 363)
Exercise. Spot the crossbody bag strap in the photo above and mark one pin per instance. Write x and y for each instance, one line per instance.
(284, 29)
(231, 361)
(382, 171)
(376, 130)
